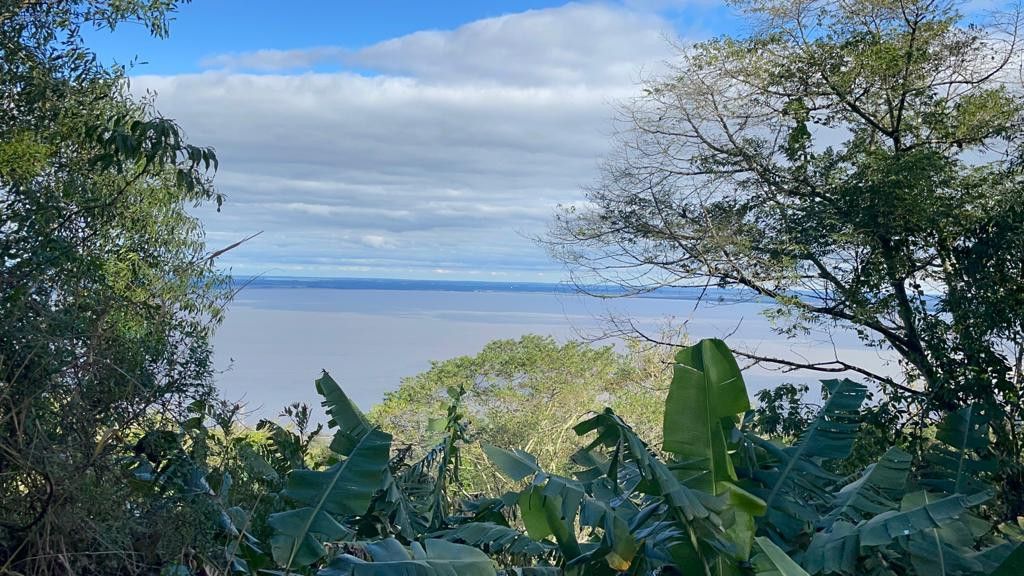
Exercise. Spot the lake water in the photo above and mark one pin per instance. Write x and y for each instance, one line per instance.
(278, 335)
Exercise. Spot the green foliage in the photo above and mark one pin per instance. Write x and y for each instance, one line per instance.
(782, 411)
(772, 561)
(432, 558)
(623, 508)
(515, 393)
(496, 539)
(960, 455)
(857, 166)
(706, 390)
(108, 297)
(343, 489)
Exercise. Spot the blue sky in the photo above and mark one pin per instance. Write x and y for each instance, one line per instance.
(208, 27)
(397, 138)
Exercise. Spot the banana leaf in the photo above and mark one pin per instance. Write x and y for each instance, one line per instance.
(551, 506)
(495, 539)
(879, 489)
(434, 558)
(513, 464)
(344, 489)
(772, 561)
(946, 550)
(956, 462)
(349, 421)
(830, 436)
(839, 548)
(706, 388)
(543, 515)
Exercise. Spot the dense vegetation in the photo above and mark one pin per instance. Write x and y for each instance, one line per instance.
(856, 163)
(715, 497)
(527, 393)
(107, 295)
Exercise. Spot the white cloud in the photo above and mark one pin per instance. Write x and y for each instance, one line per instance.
(457, 151)
(575, 43)
(377, 241)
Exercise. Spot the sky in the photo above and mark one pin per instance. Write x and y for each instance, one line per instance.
(402, 139)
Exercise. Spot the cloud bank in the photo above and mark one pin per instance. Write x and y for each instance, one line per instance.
(439, 152)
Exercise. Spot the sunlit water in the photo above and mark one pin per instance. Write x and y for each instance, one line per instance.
(275, 340)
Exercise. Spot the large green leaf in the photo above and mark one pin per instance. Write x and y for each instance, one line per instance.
(342, 490)
(513, 464)
(434, 558)
(884, 527)
(838, 548)
(946, 550)
(706, 388)
(543, 514)
(299, 535)
(772, 561)
(350, 422)
(879, 489)
(830, 436)
(706, 394)
(495, 539)
(955, 461)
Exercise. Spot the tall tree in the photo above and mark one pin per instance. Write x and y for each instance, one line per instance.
(857, 163)
(107, 293)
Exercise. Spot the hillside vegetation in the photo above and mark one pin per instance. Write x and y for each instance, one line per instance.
(856, 164)
(713, 496)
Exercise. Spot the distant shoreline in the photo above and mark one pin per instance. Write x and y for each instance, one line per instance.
(710, 294)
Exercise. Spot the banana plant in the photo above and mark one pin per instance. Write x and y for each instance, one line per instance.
(415, 499)
(325, 498)
(716, 500)
(389, 557)
(843, 548)
(688, 512)
(770, 560)
(365, 486)
(706, 397)
(958, 460)
(497, 539)
(797, 490)
(888, 519)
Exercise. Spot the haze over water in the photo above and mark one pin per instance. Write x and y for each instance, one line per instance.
(369, 334)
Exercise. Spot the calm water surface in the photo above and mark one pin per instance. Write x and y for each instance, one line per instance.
(275, 340)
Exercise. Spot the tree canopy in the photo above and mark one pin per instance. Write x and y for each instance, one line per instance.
(107, 293)
(527, 393)
(858, 164)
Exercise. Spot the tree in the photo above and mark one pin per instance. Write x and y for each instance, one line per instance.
(107, 293)
(527, 393)
(858, 164)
